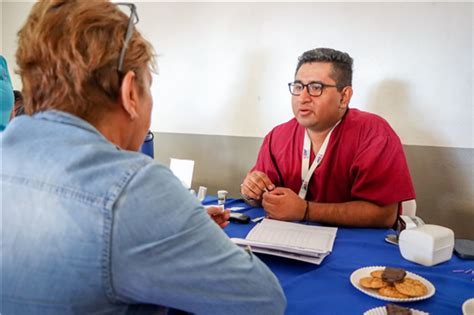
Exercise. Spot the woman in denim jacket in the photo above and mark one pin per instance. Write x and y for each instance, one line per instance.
(90, 225)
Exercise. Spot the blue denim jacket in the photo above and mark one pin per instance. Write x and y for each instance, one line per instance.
(91, 229)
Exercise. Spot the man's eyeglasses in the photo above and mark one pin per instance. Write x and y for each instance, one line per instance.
(130, 28)
(314, 88)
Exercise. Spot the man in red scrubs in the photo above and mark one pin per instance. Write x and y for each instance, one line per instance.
(331, 163)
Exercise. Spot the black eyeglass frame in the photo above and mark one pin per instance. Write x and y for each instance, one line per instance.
(323, 86)
(132, 21)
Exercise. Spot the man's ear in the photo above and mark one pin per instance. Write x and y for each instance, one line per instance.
(346, 95)
(129, 94)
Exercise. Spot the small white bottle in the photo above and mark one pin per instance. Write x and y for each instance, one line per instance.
(202, 193)
(221, 196)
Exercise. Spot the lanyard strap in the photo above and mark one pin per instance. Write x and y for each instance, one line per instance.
(306, 171)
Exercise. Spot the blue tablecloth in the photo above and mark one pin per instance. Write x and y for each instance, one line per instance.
(326, 288)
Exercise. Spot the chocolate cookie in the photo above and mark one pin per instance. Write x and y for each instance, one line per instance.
(392, 275)
(393, 309)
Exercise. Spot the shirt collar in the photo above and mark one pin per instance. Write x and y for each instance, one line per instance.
(66, 118)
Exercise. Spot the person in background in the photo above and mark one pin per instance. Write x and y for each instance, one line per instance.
(18, 107)
(330, 163)
(105, 229)
(6, 94)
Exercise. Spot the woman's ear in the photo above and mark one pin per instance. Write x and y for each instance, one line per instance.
(129, 94)
(346, 95)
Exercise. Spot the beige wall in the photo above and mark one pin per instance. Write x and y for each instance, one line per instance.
(228, 63)
(443, 177)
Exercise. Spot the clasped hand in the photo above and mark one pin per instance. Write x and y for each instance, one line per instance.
(280, 203)
(284, 204)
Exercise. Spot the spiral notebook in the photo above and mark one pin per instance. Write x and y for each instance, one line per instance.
(303, 242)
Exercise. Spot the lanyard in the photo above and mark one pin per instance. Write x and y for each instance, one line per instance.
(305, 172)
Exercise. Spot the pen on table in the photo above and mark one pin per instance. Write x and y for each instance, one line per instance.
(265, 189)
(235, 209)
(258, 219)
(248, 249)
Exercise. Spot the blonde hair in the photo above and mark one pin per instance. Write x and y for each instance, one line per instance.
(68, 55)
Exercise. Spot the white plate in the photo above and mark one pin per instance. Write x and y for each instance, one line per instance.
(365, 272)
(383, 311)
(468, 307)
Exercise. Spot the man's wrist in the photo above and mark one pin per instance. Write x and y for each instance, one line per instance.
(306, 212)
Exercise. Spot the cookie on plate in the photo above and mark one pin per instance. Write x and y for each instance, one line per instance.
(392, 275)
(372, 283)
(377, 273)
(394, 309)
(390, 291)
(411, 287)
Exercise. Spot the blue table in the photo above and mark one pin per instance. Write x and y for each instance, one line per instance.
(326, 288)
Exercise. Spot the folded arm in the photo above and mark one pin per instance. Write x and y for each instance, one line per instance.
(354, 213)
(284, 204)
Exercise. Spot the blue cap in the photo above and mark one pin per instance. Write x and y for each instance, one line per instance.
(6, 94)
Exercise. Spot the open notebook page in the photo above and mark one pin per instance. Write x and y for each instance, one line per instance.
(294, 235)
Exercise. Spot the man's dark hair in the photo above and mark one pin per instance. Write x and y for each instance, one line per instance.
(19, 106)
(18, 95)
(341, 64)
